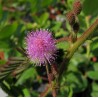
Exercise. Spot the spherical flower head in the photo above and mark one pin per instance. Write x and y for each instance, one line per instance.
(40, 47)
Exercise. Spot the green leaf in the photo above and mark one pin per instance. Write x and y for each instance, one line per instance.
(90, 7)
(95, 86)
(94, 92)
(69, 3)
(66, 91)
(78, 58)
(26, 92)
(48, 2)
(26, 75)
(70, 92)
(94, 47)
(8, 30)
(94, 44)
(4, 44)
(93, 75)
(56, 26)
(34, 5)
(95, 66)
(1, 11)
(76, 81)
(34, 94)
(62, 45)
(44, 17)
(2, 62)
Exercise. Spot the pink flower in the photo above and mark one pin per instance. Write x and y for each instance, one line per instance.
(40, 47)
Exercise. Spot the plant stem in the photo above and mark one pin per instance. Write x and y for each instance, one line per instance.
(63, 39)
(75, 46)
(82, 39)
(50, 82)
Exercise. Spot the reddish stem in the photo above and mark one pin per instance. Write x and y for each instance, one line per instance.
(50, 82)
(63, 39)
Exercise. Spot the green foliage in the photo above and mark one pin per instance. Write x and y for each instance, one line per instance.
(94, 89)
(20, 78)
(29, 73)
(77, 82)
(90, 7)
(94, 47)
(93, 75)
(7, 31)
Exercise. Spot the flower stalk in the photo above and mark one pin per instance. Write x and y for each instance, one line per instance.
(50, 82)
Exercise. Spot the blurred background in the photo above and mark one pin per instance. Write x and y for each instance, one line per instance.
(18, 17)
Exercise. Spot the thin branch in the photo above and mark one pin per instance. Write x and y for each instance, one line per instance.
(75, 46)
(12, 9)
(63, 39)
(50, 82)
(83, 38)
